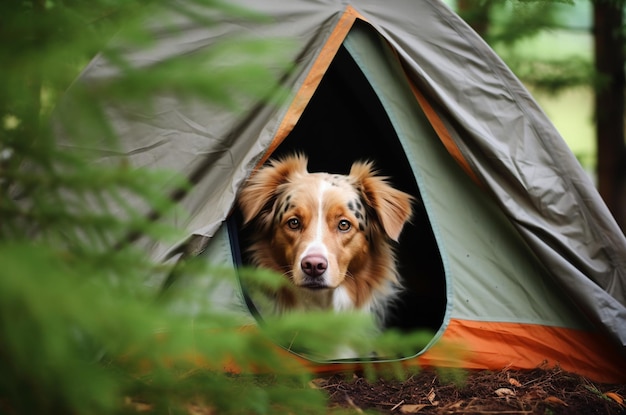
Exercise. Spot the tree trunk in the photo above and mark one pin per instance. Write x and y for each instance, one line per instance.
(609, 105)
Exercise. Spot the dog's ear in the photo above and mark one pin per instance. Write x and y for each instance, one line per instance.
(260, 191)
(392, 206)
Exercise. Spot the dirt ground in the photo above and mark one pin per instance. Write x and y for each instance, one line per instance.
(506, 392)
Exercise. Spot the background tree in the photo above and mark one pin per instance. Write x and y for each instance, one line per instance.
(504, 24)
(608, 34)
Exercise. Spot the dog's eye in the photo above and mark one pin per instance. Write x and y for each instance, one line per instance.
(293, 223)
(344, 225)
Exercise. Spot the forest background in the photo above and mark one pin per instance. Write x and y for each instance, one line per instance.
(570, 54)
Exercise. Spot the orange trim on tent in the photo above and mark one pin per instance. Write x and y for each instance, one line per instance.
(443, 133)
(497, 345)
(478, 345)
(313, 78)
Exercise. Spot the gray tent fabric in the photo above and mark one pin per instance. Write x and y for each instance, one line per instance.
(521, 158)
(511, 147)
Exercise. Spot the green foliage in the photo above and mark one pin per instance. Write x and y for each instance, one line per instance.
(81, 327)
(513, 21)
(552, 75)
(509, 26)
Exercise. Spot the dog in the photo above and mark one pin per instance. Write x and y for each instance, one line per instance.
(330, 235)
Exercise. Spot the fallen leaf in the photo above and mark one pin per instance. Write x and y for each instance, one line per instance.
(555, 400)
(455, 405)
(432, 396)
(412, 408)
(515, 382)
(535, 393)
(504, 392)
(617, 398)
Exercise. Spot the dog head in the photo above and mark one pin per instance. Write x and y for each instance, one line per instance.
(321, 229)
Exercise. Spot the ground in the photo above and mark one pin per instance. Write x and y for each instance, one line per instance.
(505, 392)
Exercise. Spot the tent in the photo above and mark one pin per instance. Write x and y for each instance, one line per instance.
(512, 251)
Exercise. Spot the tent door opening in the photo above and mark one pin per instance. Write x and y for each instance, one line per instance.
(345, 121)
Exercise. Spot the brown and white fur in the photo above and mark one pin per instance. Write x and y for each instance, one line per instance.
(328, 234)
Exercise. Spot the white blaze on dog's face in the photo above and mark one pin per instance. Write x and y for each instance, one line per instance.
(325, 230)
(320, 224)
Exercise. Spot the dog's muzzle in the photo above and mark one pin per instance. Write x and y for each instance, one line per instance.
(314, 267)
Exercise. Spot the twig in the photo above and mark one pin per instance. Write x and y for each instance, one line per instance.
(353, 405)
(398, 404)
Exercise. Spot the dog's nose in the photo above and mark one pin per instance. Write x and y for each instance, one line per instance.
(314, 265)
